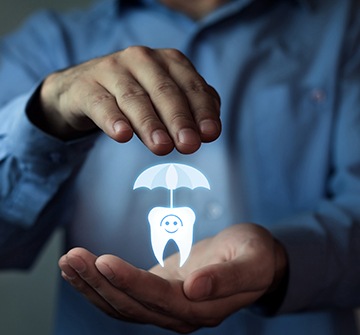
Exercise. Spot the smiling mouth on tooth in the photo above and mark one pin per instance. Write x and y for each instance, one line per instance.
(171, 221)
(171, 232)
(181, 218)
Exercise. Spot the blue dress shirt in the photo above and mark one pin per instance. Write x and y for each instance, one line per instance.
(288, 73)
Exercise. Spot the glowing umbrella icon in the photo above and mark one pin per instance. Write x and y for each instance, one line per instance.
(171, 176)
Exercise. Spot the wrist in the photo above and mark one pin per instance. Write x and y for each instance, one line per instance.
(281, 268)
(47, 119)
(272, 299)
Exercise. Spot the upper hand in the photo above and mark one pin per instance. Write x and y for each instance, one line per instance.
(156, 93)
(223, 274)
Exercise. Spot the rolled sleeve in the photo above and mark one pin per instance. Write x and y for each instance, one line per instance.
(35, 165)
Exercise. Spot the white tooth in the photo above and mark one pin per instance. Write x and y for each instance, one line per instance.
(171, 224)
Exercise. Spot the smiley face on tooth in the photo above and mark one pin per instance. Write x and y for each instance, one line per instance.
(171, 224)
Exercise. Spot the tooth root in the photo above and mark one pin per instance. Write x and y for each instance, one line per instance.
(158, 245)
(159, 257)
(184, 251)
(171, 223)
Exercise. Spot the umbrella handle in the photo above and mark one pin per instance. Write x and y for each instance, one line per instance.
(171, 198)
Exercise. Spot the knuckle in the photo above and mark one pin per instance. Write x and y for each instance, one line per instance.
(138, 51)
(131, 92)
(108, 62)
(164, 87)
(176, 55)
(148, 122)
(196, 86)
(179, 119)
(215, 94)
(100, 99)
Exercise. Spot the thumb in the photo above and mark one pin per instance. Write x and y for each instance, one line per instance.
(227, 279)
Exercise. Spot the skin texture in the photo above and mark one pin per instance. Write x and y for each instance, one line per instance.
(223, 274)
(159, 96)
(156, 94)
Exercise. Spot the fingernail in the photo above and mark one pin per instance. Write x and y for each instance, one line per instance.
(160, 136)
(121, 126)
(77, 264)
(201, 288)
(105, 270)
(188, 136)
(209, 127)
(67, 276)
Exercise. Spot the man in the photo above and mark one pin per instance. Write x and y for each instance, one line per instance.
(287, 73)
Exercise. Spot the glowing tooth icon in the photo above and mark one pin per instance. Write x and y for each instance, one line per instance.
(171, 223)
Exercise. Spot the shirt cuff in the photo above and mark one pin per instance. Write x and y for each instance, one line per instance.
(38, 164)
(32, 145)
(306, 247)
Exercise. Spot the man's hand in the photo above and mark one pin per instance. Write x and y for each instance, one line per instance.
(156, 93)
(222, 275)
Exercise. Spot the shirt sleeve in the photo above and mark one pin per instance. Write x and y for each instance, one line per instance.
(33, 167)
(324, 245)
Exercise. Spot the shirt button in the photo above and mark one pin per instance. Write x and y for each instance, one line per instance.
(214, 210)
(56, 157)
(318, 95)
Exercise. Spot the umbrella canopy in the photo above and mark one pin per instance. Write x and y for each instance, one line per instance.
(171, 176)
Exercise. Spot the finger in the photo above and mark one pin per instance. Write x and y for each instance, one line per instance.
(131, 280)
(168, 99)
(100, 106)
(135, 283)
(72, 277)
(113, 301)
(92, 285)
(166, 297)
(134, 103)
(227, 279)
(203, 100)
(240, 259)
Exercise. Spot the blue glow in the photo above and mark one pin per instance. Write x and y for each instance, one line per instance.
(171, 223)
